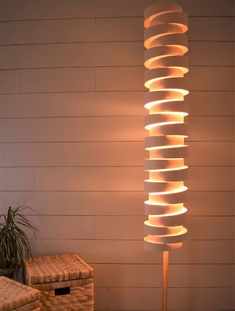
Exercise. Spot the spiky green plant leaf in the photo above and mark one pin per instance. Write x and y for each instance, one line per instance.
(14, 243)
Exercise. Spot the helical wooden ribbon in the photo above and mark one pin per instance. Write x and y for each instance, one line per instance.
(166, 45)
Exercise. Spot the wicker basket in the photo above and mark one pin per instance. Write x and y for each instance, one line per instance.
(66, 282)
(16, 296)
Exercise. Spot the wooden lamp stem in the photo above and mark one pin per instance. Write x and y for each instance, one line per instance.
(165, 280)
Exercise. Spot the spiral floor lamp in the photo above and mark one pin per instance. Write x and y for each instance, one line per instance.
(166, 64)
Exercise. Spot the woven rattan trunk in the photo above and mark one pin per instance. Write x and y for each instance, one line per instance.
(16, 296)
(66, 282)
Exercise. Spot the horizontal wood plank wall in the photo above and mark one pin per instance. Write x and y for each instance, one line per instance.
(71, 145)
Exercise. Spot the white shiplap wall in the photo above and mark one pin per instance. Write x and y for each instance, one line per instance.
(71, 145)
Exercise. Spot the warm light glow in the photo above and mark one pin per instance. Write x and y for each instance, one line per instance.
(166, 64)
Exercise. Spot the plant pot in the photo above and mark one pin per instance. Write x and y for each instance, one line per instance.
(8, 272)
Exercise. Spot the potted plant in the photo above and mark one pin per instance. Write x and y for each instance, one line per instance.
(14, 243)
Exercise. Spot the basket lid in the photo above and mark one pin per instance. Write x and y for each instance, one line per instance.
(14, 295)
(47, 269)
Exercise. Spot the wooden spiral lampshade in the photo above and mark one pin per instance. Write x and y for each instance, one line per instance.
(166, 64)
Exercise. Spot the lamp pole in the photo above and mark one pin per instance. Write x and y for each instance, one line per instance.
(165, 280)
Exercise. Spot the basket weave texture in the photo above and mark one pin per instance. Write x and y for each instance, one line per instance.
(16, 296)
(66, 282)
